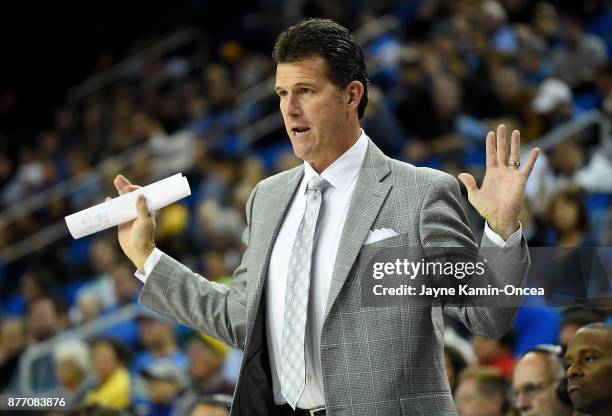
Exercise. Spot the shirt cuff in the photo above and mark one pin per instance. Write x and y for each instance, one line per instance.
(513, 241)
(149, 265)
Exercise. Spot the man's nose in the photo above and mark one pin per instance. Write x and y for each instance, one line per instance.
(573, 372)
(522, 403)
(293, 108)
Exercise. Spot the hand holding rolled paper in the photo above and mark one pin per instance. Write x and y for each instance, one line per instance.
(123, 208)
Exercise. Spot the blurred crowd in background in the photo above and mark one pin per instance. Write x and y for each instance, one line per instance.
(450, 72)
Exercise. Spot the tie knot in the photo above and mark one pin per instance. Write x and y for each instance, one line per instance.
(318, 183)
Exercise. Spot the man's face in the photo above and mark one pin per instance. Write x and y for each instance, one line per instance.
(589, 355)
(534, 383)
(487, 349)
(43, 320)
(153, 332)
(203, 363)
(470, 401)
(314, 110)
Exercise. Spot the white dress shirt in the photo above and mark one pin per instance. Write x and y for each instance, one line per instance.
(342, 175)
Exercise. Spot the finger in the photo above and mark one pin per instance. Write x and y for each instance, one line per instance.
(490, 150)
(531, 159)
(469, 182)
(131, 188)
(141, 207)
(515, 146)
(121, 183)
(502, 148)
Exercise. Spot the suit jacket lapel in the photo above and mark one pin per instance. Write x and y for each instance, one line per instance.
(275, 210)
(367, 199)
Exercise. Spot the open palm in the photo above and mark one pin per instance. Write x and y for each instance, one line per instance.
(502, 191)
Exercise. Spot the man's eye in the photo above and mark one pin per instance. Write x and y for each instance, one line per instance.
(281, 93)
(589, 359)
(305, 91)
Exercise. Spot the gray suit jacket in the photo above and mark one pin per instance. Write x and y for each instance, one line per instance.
(376, 360)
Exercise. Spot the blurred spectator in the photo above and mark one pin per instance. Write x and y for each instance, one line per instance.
(436, 130)
(538, 386)
(603, 80)
(73, 371)
(34, 286)
(206, 357)
(165, 384)
(158, 336)
(12, 344)
(29, 177)
(112, 388)
(171, 153)
(589, 355)
(380, 124)
(553, 103)
(216, 405)
(531, 58)
(126, 288)
(47, 316)
(494, 16)
(496, 353)
(481, 391)
(455, 363)
(576, 59)
(574, 318)
(88, 307)
(568, 217)
(102, 257)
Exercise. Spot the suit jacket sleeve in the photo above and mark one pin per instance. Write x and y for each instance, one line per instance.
(175, 291)
(443, 223)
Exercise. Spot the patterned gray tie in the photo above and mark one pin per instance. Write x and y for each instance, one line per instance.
(293, 366)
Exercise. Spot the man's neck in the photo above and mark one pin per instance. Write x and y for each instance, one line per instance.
(320, 166)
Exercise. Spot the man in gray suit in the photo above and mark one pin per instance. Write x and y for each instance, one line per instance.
(294, 306)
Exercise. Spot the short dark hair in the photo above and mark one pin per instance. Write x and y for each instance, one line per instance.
(121, 352)
(490, 381)
(334, 43)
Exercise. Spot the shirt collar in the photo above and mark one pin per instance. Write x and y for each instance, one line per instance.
(342, 171)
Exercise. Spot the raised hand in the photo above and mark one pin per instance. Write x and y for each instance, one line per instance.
(136, 237)
(502, 191)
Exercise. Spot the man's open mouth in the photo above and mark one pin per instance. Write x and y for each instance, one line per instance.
(299, 131)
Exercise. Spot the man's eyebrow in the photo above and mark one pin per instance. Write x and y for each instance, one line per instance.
(589, 348)
(298, 84)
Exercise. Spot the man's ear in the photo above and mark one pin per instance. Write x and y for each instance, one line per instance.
(354, 93)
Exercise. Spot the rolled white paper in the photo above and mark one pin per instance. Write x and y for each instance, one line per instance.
(123, 208)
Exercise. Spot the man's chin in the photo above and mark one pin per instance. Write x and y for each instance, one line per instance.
(300, 151)
(579, 401)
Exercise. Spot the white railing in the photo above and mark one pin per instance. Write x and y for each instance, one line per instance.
(99, 81)
(569, 129)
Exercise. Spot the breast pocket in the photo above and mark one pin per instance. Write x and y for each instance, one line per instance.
(385, 264)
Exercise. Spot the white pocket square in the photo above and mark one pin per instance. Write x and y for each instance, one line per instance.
(375, 236)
